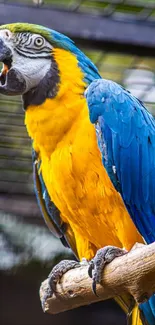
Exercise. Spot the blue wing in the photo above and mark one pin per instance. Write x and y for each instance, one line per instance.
(49, 211)
(126, 138)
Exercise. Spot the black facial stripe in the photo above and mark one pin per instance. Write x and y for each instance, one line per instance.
(24, 40)
(37, 51)
(45, 49)
(22, 37)
(18, 39)
(32, 56)
(28, 41)
(33, 52)
(47, 88)
(25, 45)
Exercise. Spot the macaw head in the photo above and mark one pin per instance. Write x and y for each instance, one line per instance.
(26, 51)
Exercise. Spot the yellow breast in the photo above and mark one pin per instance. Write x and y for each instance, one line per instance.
(73, 171)
(79, 185)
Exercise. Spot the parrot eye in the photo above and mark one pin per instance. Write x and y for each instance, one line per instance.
(39, 41)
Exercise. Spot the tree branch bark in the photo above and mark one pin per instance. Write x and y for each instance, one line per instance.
(133, 273)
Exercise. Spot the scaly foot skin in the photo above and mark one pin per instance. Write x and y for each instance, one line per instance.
(97, 264)
(55, 276)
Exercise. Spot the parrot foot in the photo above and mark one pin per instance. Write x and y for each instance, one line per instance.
(97, 264)
(55, 276)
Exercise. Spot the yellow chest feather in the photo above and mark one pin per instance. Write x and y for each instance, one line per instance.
(78, 183)
(73, 171)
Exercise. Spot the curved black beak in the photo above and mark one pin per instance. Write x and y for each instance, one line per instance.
(11, 81)
(5, 52)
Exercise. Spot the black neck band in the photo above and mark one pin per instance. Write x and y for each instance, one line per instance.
(47, 88)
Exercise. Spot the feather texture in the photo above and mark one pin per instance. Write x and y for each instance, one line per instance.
(126, 137)
(48, 209)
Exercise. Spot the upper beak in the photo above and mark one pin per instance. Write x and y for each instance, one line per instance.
(11, 80)
(5, 52)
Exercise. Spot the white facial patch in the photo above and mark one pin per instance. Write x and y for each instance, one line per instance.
(33, 70)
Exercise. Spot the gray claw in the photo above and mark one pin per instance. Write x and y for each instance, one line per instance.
(58, 271)
(97, 264)
(91, 268)
(55, 276)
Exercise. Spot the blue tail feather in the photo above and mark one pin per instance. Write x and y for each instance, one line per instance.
(148, 309)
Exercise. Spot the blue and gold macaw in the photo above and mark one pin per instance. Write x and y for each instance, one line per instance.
(76, 196)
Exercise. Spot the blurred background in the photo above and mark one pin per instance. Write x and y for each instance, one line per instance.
(119, 37)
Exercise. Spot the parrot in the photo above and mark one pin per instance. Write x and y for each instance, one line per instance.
(78, 200)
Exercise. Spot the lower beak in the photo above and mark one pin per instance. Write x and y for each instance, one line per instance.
(14, 83)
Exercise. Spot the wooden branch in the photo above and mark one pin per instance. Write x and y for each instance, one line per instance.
(133, 273)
